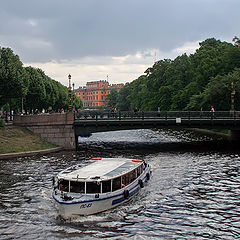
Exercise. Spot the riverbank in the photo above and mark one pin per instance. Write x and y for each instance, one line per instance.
(18, 141)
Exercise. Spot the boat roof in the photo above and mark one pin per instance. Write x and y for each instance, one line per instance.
(100, 169)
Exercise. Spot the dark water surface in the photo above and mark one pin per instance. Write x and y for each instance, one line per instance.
(194, 192)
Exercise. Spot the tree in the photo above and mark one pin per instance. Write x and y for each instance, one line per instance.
(112, 98)
(181, 99)
(218, 91)
(78, 102)
(123, 98)
(30, 86)
(36, 94)
(13, 77)
(196, 103)
(62, 96)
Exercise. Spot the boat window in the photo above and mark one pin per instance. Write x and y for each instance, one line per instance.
(106, 186)
(77, 187)
(132, 175)
(128, 178)
(125, 180)
(116, 184)
(63, 185)
(93, 187)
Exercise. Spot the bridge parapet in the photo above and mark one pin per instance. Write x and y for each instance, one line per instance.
(121, 115)
(87, 122)
(44, 119)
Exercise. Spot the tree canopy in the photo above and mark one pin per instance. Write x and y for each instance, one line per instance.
(29, 86)
(205, 78)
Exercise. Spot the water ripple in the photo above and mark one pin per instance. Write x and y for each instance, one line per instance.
(192, 194)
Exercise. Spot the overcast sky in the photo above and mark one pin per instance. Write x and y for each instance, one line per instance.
(91, 39)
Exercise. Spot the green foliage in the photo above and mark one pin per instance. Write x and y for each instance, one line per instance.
(123, 98)
(112, 99)
(29, 86)
(218, 91)
(188, 82)
(36, 93)
(78, 102)
(13, 77)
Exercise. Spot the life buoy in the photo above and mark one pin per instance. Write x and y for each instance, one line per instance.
(140, 182)
(148, 176)
(126, 194)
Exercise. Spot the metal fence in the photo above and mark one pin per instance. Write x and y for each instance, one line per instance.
(127, 115)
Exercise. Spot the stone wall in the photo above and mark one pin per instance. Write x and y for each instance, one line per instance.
(56, 128)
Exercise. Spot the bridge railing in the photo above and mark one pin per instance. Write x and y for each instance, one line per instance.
(167, 115)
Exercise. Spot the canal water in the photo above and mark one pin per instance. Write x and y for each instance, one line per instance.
(194, 192)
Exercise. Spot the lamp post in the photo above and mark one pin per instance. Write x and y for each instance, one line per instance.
(69, 94)
(69, 80)
(73, 98)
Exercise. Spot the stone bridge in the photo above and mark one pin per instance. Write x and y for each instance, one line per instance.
(63, 129)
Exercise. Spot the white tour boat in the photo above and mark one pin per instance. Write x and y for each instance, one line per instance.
(102, 184)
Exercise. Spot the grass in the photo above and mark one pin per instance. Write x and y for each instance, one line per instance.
(15, 139)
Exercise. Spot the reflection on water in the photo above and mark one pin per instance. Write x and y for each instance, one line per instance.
(193, 194)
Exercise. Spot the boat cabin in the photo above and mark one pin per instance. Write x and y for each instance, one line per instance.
(100, 176)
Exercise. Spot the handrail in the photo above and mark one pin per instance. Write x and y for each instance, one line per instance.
(155, 115)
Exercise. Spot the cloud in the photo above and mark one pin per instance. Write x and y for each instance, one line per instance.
(32, 22)
(117, 28)
(120, 69)
(94, 38)
(188, 47)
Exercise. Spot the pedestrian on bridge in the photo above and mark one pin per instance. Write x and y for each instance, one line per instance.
(212, 111)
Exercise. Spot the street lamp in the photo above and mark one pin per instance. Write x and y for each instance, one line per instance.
(69, 94)
(73, 97)
(69, 78)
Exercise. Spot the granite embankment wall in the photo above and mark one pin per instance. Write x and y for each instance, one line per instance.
(56, 128)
